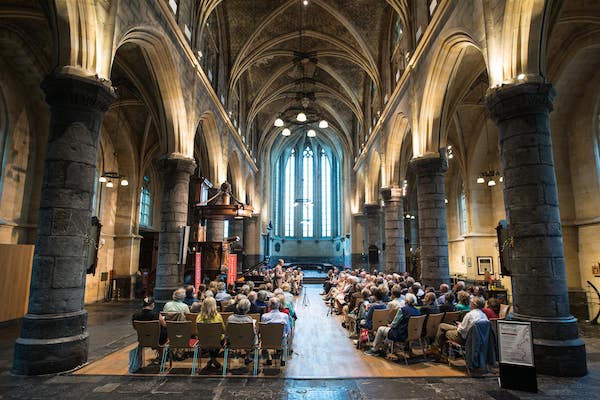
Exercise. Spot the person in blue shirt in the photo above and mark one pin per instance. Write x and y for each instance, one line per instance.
(377, 305)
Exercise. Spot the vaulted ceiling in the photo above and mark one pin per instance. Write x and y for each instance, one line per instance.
(323, 58)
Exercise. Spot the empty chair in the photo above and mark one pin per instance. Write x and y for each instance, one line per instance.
(210, 337)
(271, 338)
(180, 337)
(450, 317)
(148, 336)
(240, 337)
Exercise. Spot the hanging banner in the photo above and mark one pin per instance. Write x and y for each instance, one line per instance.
(232, 271)
(198, 271)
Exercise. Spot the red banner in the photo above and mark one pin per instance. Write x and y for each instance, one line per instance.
(198, 271)
(232, 272)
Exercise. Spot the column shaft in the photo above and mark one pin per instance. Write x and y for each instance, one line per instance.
(373, 221)
(537, 261)
(395, 252)
(54, 334)
(173, 215)
(433, 235)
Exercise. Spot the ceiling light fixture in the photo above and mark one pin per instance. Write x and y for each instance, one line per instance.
(311, 133)
(278, 123)
(488, 176)
(286, 132)
(323, 124)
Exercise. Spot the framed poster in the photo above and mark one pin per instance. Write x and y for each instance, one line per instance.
(485, 264)
(515, 343)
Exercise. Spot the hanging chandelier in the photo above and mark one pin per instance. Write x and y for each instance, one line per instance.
(489, 177)
(110, 178)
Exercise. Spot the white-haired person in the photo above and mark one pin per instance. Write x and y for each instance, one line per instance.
(275, 316)
(397, 331)
(177, 305)
(241, 317)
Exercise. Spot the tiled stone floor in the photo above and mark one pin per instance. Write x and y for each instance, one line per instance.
(110, 330)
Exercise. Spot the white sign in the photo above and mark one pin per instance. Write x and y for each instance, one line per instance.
(515, 343)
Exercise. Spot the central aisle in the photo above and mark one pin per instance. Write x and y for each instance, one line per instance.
(322, 349)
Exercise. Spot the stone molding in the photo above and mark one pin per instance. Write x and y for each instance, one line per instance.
(66, 90)
(391, 194)
(429, 165)
(510, 101)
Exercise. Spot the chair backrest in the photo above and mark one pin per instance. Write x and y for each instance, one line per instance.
(450, 317)
(271, 336)
(461, 315)
(433, 322)
(226, 315)
(263, 309)
(179, 333)
(392, 314)
(503, 310)
(148, 333)
(415, 327)
(380, 318)
(209, 334)
(255, 317)
(241, 336)
(173, 316)
(192, 318)
(223, 304)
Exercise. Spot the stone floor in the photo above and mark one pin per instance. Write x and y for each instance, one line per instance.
(110, 330)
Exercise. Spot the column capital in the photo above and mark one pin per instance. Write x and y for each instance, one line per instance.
(509, 101)
(67, 90)
(372, 208)
(391, 194)
(429, 165)
(177, 162)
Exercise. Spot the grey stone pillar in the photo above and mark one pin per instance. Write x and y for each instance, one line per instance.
(373, 222)
(433, 235)
(537, 262)
(358, 241)
(54, 336)
(395, 252)
(176, 173)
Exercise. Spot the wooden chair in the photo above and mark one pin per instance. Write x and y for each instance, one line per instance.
(380, 318)
(192, 318)
(148, 336)
(271, 338)
(225, 315)
(392, 314)
(240, 337)
(415, 328)
(223, 304)
(503, 311)
(209, 338)
(450, 317)
(461, 315)
(180, 337)
(431, 328)
(255, 317)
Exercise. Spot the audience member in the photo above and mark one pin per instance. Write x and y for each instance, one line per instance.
(177, 305)
(209, 314)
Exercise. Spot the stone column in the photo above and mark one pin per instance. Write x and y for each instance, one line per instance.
(54, 336)
(373, 222)
(395, 252)
(433, 235)
(358, 241)
(176, 173)
(537, 262)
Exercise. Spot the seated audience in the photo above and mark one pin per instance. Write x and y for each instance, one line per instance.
(492, 311)
(221, 294)
(367, 322)
(190, 297)
(429, 305)
(177, 305)
(254, 308)
(396, 331)
(463, 301)
(241, 317)
(458, 333)
(209, 314)
(444, 288)
(148, 314)
(448, 305)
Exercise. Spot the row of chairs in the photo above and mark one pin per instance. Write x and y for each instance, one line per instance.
(209, 337)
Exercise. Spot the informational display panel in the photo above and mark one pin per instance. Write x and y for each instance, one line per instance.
(515, 343)
(517, 367)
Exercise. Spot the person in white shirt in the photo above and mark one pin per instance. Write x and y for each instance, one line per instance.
(275, 316)
(458, 333)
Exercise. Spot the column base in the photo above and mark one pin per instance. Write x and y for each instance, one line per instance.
(560, 357)
(51, 343)
(557, 348)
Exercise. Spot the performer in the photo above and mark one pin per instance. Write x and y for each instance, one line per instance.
(279, 274)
